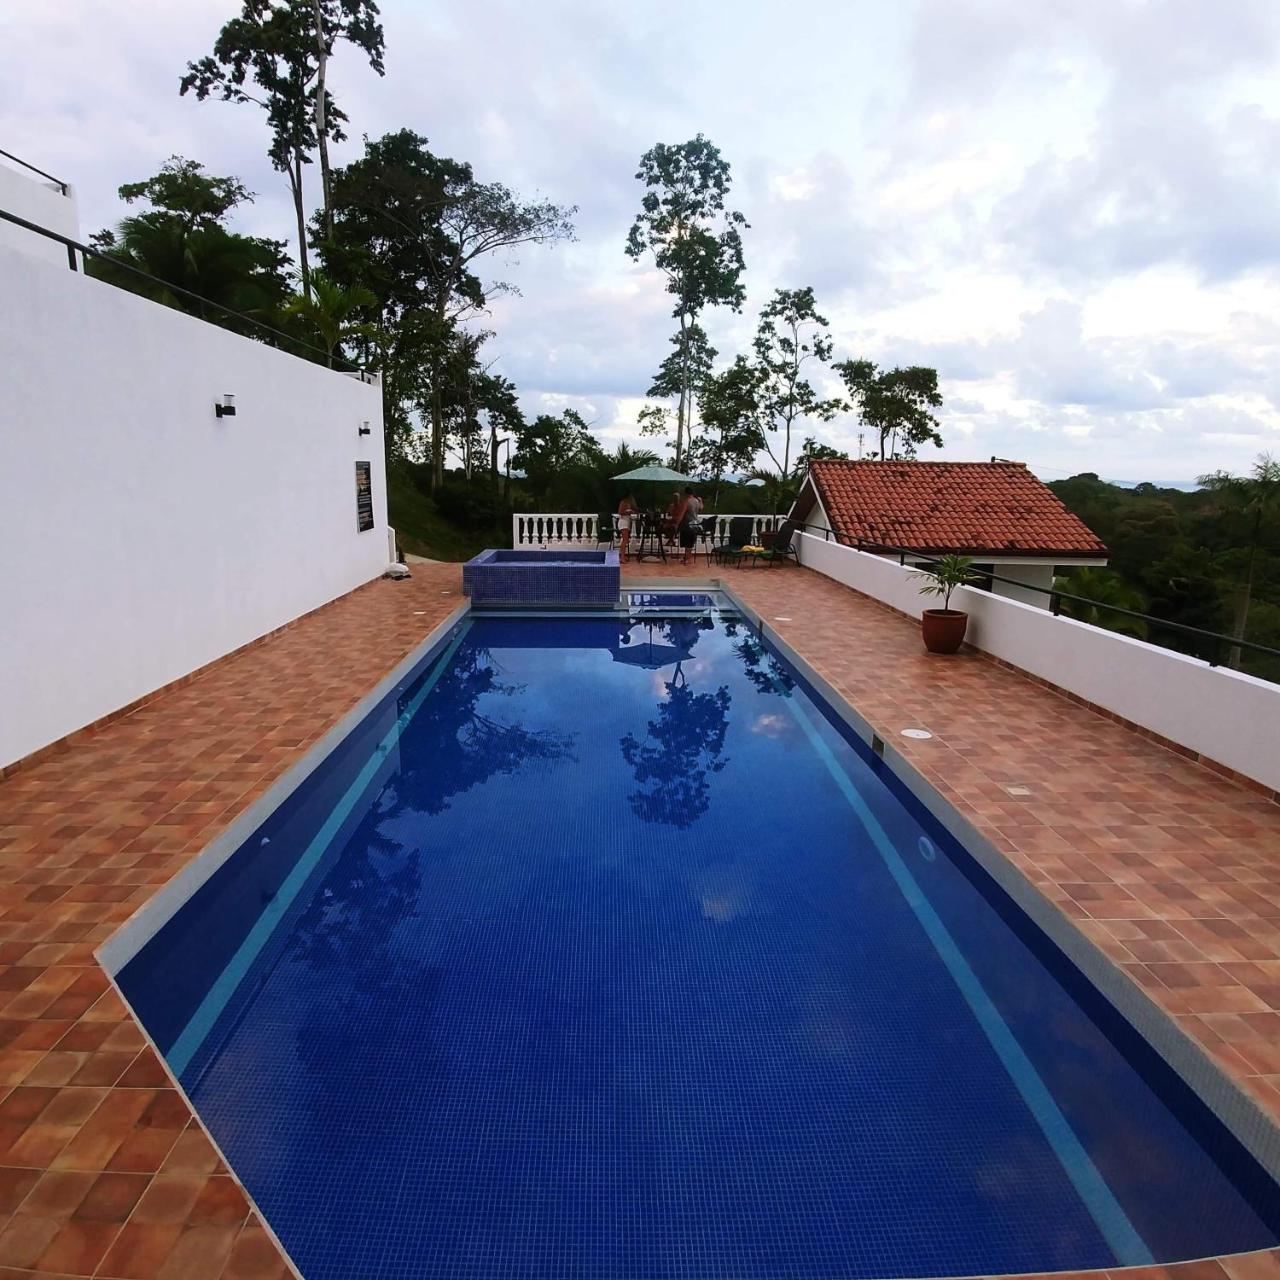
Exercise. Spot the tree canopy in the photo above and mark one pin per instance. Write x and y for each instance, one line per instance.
(896, 404)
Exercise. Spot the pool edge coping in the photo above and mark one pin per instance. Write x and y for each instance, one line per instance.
(1229, 1103)
(143, 925)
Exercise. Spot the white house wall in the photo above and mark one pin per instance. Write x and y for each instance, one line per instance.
(140, 536)
(1221, 714)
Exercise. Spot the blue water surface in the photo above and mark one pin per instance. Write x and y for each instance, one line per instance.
(616, 959)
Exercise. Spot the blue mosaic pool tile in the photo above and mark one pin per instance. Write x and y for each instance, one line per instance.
(542, 579)
(605, 977)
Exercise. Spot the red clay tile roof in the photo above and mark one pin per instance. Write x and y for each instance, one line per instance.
(973, 508)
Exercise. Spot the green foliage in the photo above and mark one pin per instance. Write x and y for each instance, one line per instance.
(182, 188)
(730, 408)
(790, 336)
(895, 403)
(330, 316)
(414, 228)
(181, 240)
(1102, 587)
(273, 55)
(1195, 557)
(559, 457)
(692, 359)
(943, 575)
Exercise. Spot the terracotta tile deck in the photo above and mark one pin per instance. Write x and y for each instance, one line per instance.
(1172, 870)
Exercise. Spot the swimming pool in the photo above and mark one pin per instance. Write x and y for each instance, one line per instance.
(600, 948)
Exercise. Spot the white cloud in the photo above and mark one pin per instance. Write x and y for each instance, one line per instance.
(1069, 208)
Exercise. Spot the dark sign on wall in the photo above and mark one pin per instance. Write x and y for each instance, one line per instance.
(364, 496)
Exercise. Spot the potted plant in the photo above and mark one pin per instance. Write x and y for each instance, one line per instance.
(943, 629)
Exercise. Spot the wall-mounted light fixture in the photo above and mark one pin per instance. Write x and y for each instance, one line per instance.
(363, 429)
(227, 407)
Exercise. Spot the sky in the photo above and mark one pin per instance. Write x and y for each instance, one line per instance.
(1071, 210)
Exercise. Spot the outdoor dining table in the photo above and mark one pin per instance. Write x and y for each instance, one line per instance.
(650, 545)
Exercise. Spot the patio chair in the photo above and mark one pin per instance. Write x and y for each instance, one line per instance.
(707, 534)
(604, 528)
(740, 528)
(783, 545)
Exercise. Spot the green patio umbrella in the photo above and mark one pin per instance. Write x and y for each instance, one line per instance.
(656, 475)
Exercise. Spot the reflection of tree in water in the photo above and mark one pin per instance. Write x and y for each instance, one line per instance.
(454, 746)
(764, 672)
(350, 924)
(674, 765)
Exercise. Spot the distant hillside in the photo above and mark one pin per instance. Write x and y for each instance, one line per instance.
(1182, 555)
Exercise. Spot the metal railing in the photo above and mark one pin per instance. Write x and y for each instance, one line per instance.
(57, 182)
(74, 246)
(1222, 644)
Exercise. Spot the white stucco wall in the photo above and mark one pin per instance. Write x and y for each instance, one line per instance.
(1223, 715)
(29, 196)
(1030, 575)
(141, 536)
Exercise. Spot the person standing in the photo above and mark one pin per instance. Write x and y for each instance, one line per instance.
(626, 511)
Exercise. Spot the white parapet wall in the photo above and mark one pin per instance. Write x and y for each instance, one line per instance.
(1222, 715)
(47, 203)
(141, 536)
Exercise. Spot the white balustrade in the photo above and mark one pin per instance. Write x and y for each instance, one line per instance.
(578, 528)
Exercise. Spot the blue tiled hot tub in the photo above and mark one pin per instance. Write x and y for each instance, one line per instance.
(551, 579)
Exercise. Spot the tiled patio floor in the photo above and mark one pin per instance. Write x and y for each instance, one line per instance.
(1172, 870)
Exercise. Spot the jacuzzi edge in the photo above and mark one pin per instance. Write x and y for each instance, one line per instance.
(1238, 1113)
(164, 904)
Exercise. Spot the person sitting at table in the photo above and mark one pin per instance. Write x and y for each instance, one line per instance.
(626, 509)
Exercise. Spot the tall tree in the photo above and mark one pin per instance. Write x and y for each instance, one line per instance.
(1255, 501)
(416, 228)
(275, 55)
(695, 242)
(791, 338)
(896, 404)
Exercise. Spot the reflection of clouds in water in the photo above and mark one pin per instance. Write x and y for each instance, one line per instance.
(723, 892)
(771, 726)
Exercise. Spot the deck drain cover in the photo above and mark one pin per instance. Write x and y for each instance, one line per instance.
(916, 733)
(1018, 791)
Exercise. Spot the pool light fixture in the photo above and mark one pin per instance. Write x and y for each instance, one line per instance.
(226, 407)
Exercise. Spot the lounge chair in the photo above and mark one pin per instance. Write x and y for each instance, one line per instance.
(740, 528)
(783, 546)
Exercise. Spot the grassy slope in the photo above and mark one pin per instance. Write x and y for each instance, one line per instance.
(421, 529)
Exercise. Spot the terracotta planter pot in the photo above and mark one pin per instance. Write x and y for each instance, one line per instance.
(943, 629)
